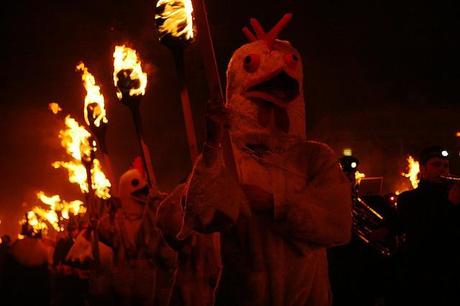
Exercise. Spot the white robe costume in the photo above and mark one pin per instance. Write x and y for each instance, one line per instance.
(299, 198)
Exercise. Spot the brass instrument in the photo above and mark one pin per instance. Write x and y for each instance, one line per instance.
(451, 178)
(365, 221)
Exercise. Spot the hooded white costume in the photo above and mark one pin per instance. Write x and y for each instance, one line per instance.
(299, 198)
(138, 246)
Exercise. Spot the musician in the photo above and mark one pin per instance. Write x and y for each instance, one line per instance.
(360, 273)
(429, 216)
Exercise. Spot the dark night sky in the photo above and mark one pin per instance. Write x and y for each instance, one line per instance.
(380, 76)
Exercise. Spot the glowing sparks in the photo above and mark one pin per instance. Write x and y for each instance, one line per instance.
(413, 171)
(94, 100)
(126, 60)
(359, 176)
(175, 17)
(54, 107)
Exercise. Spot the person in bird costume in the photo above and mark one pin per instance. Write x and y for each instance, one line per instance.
(289, 199)
(139, 250)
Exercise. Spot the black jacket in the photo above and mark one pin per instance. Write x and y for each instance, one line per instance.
(430, 254)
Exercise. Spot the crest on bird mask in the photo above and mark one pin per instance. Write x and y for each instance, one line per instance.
(133, 186)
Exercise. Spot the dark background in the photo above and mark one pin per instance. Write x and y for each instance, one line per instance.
(381, 77)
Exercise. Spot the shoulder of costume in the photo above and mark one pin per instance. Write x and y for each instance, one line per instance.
(312, 147)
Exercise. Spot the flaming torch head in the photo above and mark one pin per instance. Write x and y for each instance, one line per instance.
(128, 76)
(78, 144)
(174, 21)
(94, 110)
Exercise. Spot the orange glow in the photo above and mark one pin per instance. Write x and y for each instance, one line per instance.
(413, 171)
(54, 107)
(125, 58)
(94, 99)
(176, 17)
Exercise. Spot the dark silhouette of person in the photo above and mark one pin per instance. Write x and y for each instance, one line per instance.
(429, 217)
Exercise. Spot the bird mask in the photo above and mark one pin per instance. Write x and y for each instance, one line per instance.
(264, 91)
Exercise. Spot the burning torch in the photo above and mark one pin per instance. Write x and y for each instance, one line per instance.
(96, 117)
(174, 22)
(88, 160)
(131, 81)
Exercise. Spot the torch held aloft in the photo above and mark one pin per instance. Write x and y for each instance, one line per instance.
(185, 100)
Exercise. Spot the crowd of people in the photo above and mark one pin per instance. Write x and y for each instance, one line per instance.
(154, 259)
(259, 233)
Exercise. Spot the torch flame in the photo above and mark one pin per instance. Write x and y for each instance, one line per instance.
(50, 201)
(77, 173)
(176, 18)
(54, 214)
(49, 216)
(100, 183)
(126, 59)
(359, 176)
(93, 98)
(65, 208)
(75, 139)
(413, 171)
(37, 223)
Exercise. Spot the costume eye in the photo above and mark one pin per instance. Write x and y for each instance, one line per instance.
(291, 60)
(135, 182)
(251, 62)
